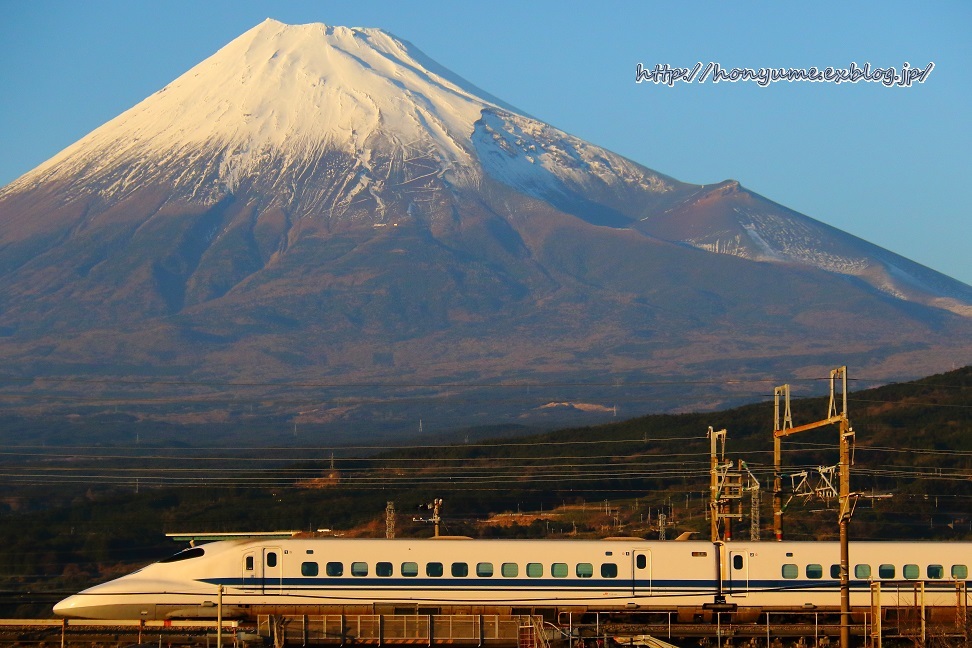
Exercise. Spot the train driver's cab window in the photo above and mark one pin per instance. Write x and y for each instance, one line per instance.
(383, 569)
(862, 571)
(910, 572)
(936, 571)
(484, 570)
(510, 570)
(559, 570)
(609, 570)
(960, 572)
(814, 571)
(308, 569)
(334, 569)
(790, 570)
(410, 569)
(534, 570)
(885, 571)
(584, 570)
(433, 569)
(359, 569)
(185, 554)
(271, 559)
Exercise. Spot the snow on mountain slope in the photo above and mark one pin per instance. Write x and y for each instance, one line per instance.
(537, 159)
(728, 219)
(283, 108)
(278, 97)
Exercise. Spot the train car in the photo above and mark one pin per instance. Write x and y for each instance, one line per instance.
(451, 576)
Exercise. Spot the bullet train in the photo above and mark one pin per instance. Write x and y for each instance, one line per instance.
(453, 576)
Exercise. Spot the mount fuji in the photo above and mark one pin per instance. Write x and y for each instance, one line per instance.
(321, 223)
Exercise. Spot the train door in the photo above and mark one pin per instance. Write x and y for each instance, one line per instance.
(272, 570)
(253, 571)
(641, 572)
(738, 577)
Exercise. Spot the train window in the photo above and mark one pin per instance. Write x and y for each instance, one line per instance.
(334, 569)
(248, 563)
(534, 570)
(886, 571)
(409, 569)
(609, 570)
(790, 570)
(310, 551)
(510, 570)
(383, 569)
(936, 571)
(460, 570)
(185, 554)
(584, 570)
(271, 559)
(433, 569)
(835, 571)
(559, 570)
(862, 571)
(814, 571)
(960, 572)
(910, 572)
(484, 570)
(641, 561)
(308, 569)
(359, 569)
(737, 562)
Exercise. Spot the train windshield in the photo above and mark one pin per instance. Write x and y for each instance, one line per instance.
(185, 554)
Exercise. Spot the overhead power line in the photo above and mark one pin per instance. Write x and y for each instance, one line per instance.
(516, 384)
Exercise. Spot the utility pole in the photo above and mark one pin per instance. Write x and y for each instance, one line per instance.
(714, 468)
(754, 502)
(390, 520)
(846, 508)
(783, 426)
(219, 617)
(725, 487)
(780, 425)
(754, 514)
(434, 506)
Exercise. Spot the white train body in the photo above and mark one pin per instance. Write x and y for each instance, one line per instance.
(321, 575)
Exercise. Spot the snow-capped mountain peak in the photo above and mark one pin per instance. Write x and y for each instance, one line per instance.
(283, 94)
(285, 109)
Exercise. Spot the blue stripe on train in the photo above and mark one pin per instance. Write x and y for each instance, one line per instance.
(535, 584)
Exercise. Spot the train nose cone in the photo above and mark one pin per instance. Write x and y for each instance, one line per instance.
(66, 607)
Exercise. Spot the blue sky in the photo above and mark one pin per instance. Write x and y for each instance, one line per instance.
(891, 165)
